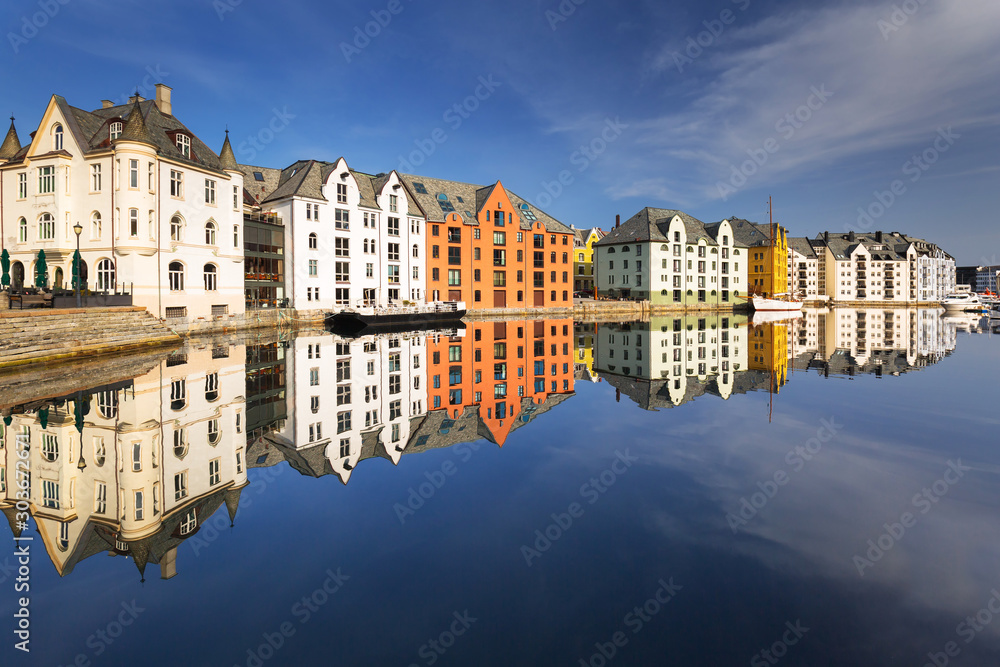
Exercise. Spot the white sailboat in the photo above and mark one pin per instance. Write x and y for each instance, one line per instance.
(785, 302)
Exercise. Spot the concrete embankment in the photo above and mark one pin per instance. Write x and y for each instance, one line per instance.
(41, 336)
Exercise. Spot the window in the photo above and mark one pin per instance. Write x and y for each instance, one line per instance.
(341, 193)
(341, 247)
(95, 178)
(136, 456)
(115, 130)
(176, 183)
(184, 145)
(393, 224)
(46, 180)
(105, 274)
(393, 274)
(175, 276)
(22, 186)
(343, 394)
(343, 422)
(176, 228)
(100, 498)
(341, 219)
(50, 447)
(343, 370)
(313, 242)
(57, 138)
(46, 227)
(210, 230)
(180, 486)
(211, 278)
(133, 174)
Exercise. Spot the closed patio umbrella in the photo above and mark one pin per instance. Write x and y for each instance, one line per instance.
(5, 265)
(76, 270)
(41, 270)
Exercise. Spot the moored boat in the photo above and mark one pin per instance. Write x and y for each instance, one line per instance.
(782, 303)
(963, 301)
(404, 318)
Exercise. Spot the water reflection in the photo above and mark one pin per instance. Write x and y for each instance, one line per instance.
(135, 466)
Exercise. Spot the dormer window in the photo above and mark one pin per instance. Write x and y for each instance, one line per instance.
(116, 130)
(57, 137)
(184, 145)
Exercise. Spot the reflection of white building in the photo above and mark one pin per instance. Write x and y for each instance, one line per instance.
(351, 238)
(155, 458)
(161, 212)
(890, 340)
(675, 353)
(352, 399)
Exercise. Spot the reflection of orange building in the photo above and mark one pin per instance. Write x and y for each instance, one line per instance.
(490, 248)
(496, 365)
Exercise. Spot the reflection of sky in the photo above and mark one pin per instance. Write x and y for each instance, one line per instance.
(664, 518)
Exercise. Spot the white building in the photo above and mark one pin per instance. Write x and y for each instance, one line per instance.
(351, 239)
(161, 213)
(804, 275)
(671, 258)
(154, 459)
(883, 267)
(349, 400)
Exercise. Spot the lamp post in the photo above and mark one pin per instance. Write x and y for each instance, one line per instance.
(78, 229)
(79, 410)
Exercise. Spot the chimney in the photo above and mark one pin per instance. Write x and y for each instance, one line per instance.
(851, 237)
(168, 564)
(136, 98)
(618, 221)
(107, 104)
(826, 237)
(163, 99)
(878, 237)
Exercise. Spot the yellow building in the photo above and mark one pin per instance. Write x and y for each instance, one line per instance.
(583, 257)
(767, 271)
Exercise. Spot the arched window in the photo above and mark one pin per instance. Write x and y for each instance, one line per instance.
(46, 227)
(625, 248)
(180, 444)
(57, 138)
(105, 274)
(416, 250)
(611, 251)
(184, 145)
(175, 276)
(22, 231)
(210, 230)
(115, 130)
(176, 228)
(313, 242)
(107, 404)
(95, 226)
(63, 527)
(211, 278)
(214, 433)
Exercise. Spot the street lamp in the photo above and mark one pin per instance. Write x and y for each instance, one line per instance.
(78, 229)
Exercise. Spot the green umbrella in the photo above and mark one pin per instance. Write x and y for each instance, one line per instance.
(41, 270)
(5, 264)
(43, 418)
(76, 269)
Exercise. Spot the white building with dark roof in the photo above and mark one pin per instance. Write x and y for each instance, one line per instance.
(161, 213)
(804, 275)
(351, 239)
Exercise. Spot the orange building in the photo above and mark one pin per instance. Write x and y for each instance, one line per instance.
(491, 249)
(501, 368)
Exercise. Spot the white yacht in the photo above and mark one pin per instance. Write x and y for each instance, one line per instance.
(963, 301)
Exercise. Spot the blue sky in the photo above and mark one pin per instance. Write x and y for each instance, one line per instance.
(704, 106)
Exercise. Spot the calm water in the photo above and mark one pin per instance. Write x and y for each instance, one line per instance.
(690, 491)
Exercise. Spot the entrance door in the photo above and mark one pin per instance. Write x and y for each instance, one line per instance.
(539, 298)
(499, 298)
(17, 275)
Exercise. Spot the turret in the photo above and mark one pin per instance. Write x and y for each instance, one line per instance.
(11, 144)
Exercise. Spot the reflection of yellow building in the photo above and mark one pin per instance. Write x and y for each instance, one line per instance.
(583, 257)
(769, 351)
(583, 354)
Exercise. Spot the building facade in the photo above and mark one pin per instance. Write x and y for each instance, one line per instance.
(767, 255)
(883, 267)
(161, 213)
(981, 279)
(583, 257)
(805, 280)
(671, 258)
(350, 239)
(490, 248)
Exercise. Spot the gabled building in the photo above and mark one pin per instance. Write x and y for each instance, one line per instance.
(805, 279)
(350, 239)
(767, 267)
(889, 267)
(670, 258)
(490, 248)
(583, 257)
(161, 213)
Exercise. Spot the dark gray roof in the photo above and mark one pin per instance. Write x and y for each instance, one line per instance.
(583, 234)
(260, 190)
(652, 224)
(750, 234)
(11, 144)
(226, 157)
(468, 200)
(135, 128)
(802, 245)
